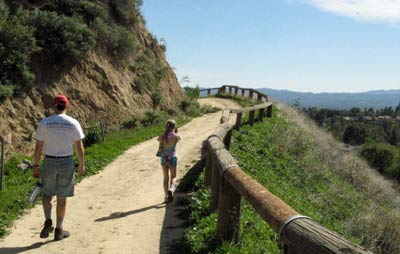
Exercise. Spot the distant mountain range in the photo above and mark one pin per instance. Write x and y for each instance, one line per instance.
(375, 99)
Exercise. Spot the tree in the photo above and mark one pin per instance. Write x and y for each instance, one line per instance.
(394, 134)
(192, 92)
(370, 112)
(354, 134)
(397, 110)
(355, 111)
(380, 155)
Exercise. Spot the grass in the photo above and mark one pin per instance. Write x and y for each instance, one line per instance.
(311, 172)
(18, 183)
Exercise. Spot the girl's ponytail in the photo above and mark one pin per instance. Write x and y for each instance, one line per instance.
(169, 126)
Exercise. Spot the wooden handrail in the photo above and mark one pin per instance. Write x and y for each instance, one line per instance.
(206, 89)
(222, 89)
(248, 109)
(297, 233)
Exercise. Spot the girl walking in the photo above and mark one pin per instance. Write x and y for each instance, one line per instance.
(169, 157)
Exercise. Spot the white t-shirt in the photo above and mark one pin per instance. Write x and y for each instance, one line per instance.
(59, 133)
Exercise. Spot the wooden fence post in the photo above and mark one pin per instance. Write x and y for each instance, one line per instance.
(3, 144)
(251, 93)
(228, 225)
(269, 111)
(215, 186)
(236, 90)
(243, 92)
(238, 121)
(208, 92)
(259, 96)
(261, 113)
(102, 131)
(230, 90)
(227, 140)
(208, 170)
(251, 117)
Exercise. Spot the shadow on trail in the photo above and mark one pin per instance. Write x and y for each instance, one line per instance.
(175, 220)
(15, 250)
(118, 215)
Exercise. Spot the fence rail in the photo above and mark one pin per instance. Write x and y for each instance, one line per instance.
(238, 91)
(228, 184)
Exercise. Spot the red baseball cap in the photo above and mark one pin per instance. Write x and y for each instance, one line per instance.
(61, 100)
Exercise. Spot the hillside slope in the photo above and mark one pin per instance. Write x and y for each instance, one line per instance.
(108, 82)
(314, 174)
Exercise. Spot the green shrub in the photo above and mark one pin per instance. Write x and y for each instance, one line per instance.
(190, 107)
(355, 134)
(172, 112)
(380, 155)
(4, 12)
(88, 10)
(206, 109)
(126, 11)
(139, 84)
(149, 72)
(185, 104)
(93, 136)
(16, 47)
(118, 39)
(150, 117)
(6, 91)
(130, 123)
(192, 92)
(393, 171)
(156, 98)
(61, 37)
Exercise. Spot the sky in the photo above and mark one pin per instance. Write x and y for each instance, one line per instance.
(298, 45)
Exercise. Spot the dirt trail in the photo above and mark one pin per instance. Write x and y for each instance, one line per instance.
(119, 210)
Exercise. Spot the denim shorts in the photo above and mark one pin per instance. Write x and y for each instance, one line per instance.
(57, 177)
(173, 161)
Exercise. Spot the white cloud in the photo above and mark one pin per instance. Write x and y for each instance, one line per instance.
(365, 10)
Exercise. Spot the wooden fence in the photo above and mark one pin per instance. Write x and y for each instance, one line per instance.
(297, 234)
(238, 91)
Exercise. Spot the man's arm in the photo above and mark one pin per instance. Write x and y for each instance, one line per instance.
(80, 151)
(36, 158)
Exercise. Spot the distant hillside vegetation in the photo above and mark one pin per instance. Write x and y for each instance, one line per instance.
(371, 99)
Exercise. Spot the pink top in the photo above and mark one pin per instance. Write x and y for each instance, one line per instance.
(169, 147)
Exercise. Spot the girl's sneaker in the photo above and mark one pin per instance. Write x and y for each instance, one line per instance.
(170, 196)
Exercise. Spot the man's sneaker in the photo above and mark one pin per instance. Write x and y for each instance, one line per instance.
(47, 229)
(60, 234)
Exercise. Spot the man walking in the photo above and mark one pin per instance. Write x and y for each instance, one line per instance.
(55, 137)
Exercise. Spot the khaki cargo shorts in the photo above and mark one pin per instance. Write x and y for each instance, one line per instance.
(57, 177)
